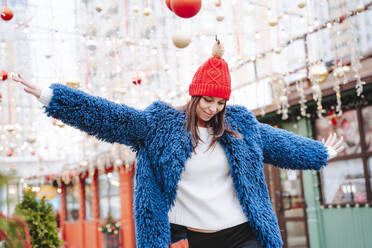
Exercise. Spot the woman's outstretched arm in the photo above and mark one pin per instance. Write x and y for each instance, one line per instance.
(291, 151)
(97, 116)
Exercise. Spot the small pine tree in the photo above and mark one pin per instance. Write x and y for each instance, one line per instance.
(13, 230)
(40, 220)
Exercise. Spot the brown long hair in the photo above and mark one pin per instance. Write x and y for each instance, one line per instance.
(217, 122)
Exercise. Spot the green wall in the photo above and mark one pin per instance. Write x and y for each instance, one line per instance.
(336, 227)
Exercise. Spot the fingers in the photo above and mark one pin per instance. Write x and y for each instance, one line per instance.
(34, 92)
(328, 140)
(30, 88)
(338, 144)
(332, 138)
(335, 143)
(20, 79)
(340, 149)
(29, 91)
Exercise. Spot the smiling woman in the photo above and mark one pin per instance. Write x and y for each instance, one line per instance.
(206, 158)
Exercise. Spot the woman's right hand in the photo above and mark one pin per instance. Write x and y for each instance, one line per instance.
(30, 88)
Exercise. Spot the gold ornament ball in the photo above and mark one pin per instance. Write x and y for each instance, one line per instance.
(73, 84)
(181, 39)
(318, 73)
(147, 11)
(127, 41)
(60, 123)
(135, 9)
(301, 4)
(277, 50)
(31, 139)
(220, 18)
(360, 8)
(10, 128)
(122, 92)
(273, 21)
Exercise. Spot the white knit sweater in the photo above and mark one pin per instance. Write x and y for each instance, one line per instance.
(206, 197)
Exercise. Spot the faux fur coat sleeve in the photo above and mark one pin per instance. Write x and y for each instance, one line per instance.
(291, 151)
(99, 117)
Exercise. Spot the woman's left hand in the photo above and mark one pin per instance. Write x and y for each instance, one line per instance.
(334, 142)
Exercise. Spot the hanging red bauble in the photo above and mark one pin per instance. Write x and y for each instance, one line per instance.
(136, 81)
(6, 14)
(334, 121)
(3, 75)
(185, 8)
(167, 2)
(10, 152)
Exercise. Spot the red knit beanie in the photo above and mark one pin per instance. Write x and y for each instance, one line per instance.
(213, 77)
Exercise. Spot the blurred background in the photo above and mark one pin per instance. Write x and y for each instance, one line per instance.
(302, 65)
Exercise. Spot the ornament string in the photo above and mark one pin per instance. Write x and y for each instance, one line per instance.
(126, 17)
(86, 65)
(24, 23)
(236, 29)
(164, 32)
(10, 121)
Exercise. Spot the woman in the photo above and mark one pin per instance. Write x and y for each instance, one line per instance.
(199, 175)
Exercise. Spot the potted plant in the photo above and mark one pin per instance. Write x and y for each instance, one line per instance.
(111, 232)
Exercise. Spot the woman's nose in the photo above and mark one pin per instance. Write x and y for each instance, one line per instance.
(213, 107)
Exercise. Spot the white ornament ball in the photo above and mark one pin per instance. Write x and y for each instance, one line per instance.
(338, 72)
(91, 45)
(346, 68)
(181, 39)
(118, 162)
(283, 99)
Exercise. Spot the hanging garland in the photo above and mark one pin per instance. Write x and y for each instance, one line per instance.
(349, 99)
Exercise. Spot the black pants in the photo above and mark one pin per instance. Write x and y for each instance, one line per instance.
(239, 236)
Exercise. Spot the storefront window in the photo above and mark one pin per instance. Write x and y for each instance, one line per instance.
(367, 126)
(109, 199)
(88, 191)
(346, 126)
(291, 193)
(72, 201)
(343, 182)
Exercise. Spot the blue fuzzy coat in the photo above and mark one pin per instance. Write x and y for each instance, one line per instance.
(162, 145)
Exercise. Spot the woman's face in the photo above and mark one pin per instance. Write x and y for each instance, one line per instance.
(208, 107)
